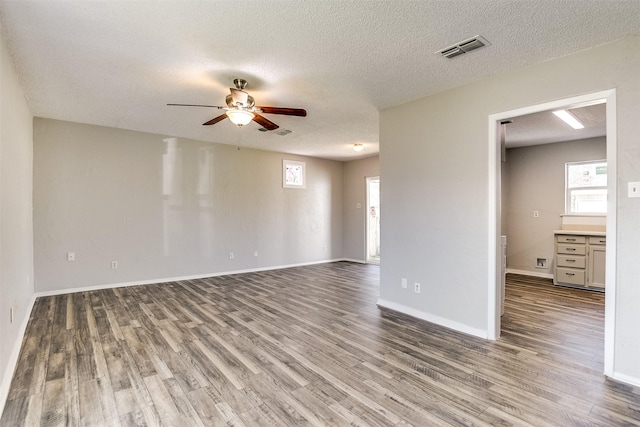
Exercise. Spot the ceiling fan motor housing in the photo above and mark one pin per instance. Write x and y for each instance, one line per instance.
(239, 99)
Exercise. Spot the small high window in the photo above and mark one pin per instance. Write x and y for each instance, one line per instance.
(586, 187)
(293, 174)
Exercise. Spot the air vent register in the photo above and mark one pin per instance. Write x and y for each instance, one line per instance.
(464, 47)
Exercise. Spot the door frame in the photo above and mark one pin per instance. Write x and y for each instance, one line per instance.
(494, 214)
(367, 222)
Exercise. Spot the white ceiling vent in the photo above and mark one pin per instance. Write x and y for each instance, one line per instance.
(464, 47)
(282, 132)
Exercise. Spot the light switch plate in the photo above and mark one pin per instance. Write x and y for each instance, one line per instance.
(634, 189)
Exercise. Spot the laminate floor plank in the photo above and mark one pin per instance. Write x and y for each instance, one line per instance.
(308, 346)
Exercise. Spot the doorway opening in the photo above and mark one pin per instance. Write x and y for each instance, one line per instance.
(373, 220)
(495, 214)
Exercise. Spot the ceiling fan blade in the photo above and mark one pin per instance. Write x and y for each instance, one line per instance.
(195, 105)
(264, 122)
(215, 120)
(285, 111)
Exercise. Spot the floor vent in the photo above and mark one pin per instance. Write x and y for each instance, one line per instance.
(464, 47)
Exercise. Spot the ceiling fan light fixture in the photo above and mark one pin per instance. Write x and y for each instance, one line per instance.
(240, 117)
(358, 147)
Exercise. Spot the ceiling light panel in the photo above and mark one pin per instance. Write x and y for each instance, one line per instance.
(569, 119)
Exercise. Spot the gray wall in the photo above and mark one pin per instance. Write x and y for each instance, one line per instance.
(434, 168)
(16, 231)
(355, 191)
(536, 178)
(165, 208)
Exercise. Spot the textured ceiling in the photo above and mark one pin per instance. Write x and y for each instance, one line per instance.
(544, 127)
(118, 63)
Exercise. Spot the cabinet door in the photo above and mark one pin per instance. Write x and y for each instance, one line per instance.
(597, 263)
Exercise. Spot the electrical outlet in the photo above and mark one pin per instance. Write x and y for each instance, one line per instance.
(404, 283)
(71, 256)
(255, 253)
(536, 214)
(114, 264)
(634, 189)
(416, 287)
(230, 255)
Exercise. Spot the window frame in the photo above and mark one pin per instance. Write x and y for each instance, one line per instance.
(303, 174)
(568, 190)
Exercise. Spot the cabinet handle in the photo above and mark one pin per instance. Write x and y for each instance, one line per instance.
(571, 240)
(571, 249)
(571, 260)
(603, 241)
(570, 274)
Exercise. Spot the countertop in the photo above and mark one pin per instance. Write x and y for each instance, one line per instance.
(581, 232)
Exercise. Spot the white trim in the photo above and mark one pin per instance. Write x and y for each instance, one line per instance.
(7, 376)
(530, 273)
(617, 376)
(493, 226)
(447, 323)
(494, 261)
(359, 261)
(611, 246)
(179, 278)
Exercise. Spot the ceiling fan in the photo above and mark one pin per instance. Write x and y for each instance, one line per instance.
(241, 109)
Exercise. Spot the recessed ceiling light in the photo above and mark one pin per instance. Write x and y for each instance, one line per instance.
(569, 119)
(358, 147)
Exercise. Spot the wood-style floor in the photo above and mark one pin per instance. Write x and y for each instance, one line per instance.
(309, 346)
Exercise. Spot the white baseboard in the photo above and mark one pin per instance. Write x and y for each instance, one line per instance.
(447, 323)
(530, 273)
(634, 381)
(359, 261)
(179, 278)
(7, 375)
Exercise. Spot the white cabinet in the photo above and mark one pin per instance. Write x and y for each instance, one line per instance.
(580, 259)
(597, 261)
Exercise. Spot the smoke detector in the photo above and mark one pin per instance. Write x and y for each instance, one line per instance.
(464, 47)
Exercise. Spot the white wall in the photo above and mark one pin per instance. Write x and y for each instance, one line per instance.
(434, 164)
(536, 178)
(355, 192)
(16, 232)
(166, 208)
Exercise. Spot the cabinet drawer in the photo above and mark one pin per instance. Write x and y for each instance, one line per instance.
(595, 240)
(566, 238)
(572, 261)
(570, 276)
(565, 248)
